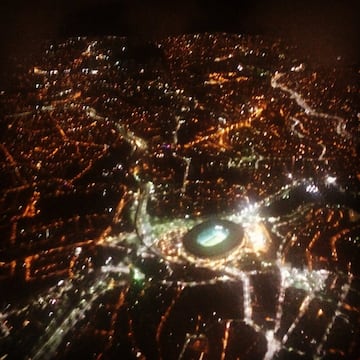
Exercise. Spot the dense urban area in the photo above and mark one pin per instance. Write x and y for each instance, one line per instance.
(195, 197)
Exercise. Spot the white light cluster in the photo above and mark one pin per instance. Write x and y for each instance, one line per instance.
(330, 180)
(309, 281)
(312, 189)
(256, 237)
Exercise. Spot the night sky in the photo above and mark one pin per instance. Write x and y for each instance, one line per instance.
(323, 28)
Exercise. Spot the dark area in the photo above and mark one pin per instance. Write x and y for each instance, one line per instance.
(324, 28)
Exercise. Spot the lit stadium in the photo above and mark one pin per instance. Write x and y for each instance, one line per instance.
(213, 238)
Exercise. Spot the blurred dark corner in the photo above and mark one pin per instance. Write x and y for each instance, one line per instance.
(324, 29)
